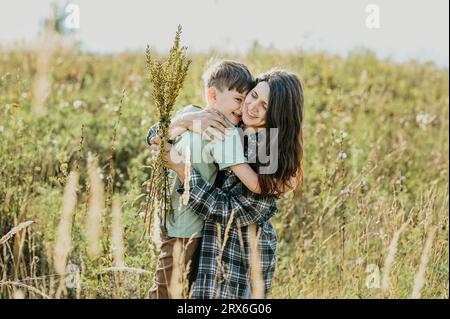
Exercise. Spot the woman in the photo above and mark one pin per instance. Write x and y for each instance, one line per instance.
(230, 210)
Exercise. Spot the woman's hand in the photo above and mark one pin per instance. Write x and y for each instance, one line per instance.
(172, 159)
(207, 123)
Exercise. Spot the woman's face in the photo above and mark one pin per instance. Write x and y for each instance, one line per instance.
(255, 106)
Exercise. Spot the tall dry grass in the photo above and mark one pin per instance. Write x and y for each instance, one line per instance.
(117, 244)
(385, 282)
(96, 208)
(256, 276)
(14, 231)
(63, 242)
(176, 280)
(420, 279)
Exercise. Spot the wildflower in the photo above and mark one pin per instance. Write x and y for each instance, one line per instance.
(72, 279)
(342, 155)
(141, 215)
(424, 119)
(325, 115)
(346, 191)
(363, 183)
(347, 119)
(77, 104)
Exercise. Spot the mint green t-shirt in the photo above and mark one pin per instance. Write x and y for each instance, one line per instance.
(206, 157)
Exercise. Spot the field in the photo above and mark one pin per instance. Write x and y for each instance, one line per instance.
(372, 221)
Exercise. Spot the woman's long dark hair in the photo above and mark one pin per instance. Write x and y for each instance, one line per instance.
(285, 112)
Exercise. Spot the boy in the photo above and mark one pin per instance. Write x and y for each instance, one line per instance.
(226, 85)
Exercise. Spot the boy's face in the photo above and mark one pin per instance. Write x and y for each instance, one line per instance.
(227, 102)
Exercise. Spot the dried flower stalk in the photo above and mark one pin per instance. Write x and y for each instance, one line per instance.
(167, 78)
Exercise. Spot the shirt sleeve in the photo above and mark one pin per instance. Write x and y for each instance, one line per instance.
(152, 132)
(230, 151)
(187, 109)
(211, 202)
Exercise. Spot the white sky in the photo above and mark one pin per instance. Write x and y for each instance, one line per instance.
(409, 28)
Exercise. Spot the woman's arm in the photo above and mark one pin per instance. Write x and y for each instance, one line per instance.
(250, 179)
(205, 122)
(209, 201)
(176, 128)
(247, 176)
(178, 125)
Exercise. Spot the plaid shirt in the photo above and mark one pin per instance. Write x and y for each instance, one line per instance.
(226, 273)
(224, 267)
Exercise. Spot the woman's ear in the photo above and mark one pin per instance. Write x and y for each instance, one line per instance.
(212, 96)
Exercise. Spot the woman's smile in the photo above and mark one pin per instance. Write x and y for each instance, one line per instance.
(247, 113)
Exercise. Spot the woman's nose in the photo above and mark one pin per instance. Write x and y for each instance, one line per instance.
(252, 107)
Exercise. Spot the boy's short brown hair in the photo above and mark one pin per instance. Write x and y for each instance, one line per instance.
(227, 74)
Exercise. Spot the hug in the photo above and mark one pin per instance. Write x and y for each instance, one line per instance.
(223, 200)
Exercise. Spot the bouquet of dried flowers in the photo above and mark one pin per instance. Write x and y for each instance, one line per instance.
(167, 77)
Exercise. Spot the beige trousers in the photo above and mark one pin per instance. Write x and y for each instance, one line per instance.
(191, 252)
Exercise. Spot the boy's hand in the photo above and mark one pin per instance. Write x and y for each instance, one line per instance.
(172, 159)
(207, 123)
